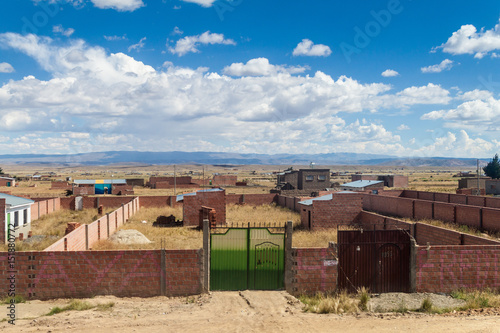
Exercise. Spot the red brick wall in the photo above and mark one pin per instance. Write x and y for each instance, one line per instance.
(458, 199)
(447, 268)
(491, 219)
(314, 270)
(436, 236)
(252, 199)
(423, 209)
(410, 194)
(88, 273)
(476, 201)
(225, 180)
(468, 215)
(442, 197)
(444, 212)
(492, 202)
(342, 209)
(158, 201)
(425, 196)
(192, 205)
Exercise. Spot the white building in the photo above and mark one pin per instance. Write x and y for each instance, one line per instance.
(17, 214)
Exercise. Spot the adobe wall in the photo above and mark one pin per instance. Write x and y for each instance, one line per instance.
(131, 273)
(314, 270)
(442, 269)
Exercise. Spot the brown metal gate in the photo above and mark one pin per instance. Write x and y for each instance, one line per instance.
(378, 260)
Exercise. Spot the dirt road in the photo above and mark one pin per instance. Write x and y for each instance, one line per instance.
(247, 311)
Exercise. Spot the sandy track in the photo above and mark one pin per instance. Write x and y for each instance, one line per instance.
(247, 311)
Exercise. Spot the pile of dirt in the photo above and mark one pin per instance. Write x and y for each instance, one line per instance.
(129, 237)
(399, 302)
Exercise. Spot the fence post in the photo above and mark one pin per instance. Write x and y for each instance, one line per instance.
(413, 266)
(107, 220)
(163, 274)
(206, 256)
(86, 237)
(288, 256)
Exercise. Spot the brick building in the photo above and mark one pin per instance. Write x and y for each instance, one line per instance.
(472, 182)
(195, 204)
(98, 186)
(363, 185)
(389, 180)
(330, 210)
(304, 180)
(7, 181)
(492, 186)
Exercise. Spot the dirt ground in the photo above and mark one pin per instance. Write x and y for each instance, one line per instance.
(246, 311)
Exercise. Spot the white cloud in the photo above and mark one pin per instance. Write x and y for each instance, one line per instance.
(430, 94)
(6, 67)
(389, 73)
(456, 145)
(467, 40)
(403, 127)
(60, 30)
(258, 67)
(137, 46)
(261, 108)
(477, 115)
(203, 3)
(444, 65)
(119, 5)
(308, 48)
(177, 31)
(190, 43)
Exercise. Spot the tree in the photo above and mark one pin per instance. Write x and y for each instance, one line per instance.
(1, 171)
(493, 168)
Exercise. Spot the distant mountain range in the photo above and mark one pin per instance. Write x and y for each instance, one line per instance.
(214, 158)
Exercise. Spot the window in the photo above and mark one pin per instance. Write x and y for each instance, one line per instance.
(25, 216)
(321, 178)
(309, 178)
(16, 219)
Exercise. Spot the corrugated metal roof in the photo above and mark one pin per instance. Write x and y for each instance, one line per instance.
(100, 181)
(14, 201)
(362, 183)
(7, 178)
(180, 197)
(327, 197)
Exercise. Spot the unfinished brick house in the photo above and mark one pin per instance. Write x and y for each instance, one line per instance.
(303, 181)
(203, 204)
(389, 180)
(330, 210)
(7, 181)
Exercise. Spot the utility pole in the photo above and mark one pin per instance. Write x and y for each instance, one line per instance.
(478, 190)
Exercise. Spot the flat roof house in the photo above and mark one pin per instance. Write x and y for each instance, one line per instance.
(15, 216)
(7, 181)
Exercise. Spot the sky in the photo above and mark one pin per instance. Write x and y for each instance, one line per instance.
(399, 77)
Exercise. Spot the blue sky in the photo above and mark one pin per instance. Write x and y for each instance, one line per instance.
(398, 77)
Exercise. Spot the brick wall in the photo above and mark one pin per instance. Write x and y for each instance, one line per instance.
(491, 219)
(46, 275)
(88, 235)
(224, 180)
(44, 206)
(252, 199)
(447, 268)
(423, 209)
(342, 209)
(468, 215)
(444, 212)
(158, 201)
(314, 270)
(435, 235)
(192, 205)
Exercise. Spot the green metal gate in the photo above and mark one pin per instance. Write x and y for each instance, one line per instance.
(247, 258)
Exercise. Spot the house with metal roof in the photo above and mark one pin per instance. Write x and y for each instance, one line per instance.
(15, 215)
(96, 186)
(363, 185)
(7, 181)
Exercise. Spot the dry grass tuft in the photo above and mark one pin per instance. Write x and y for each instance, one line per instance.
(456, 227)
(320, 238)
(260, 215)
(338, 304)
